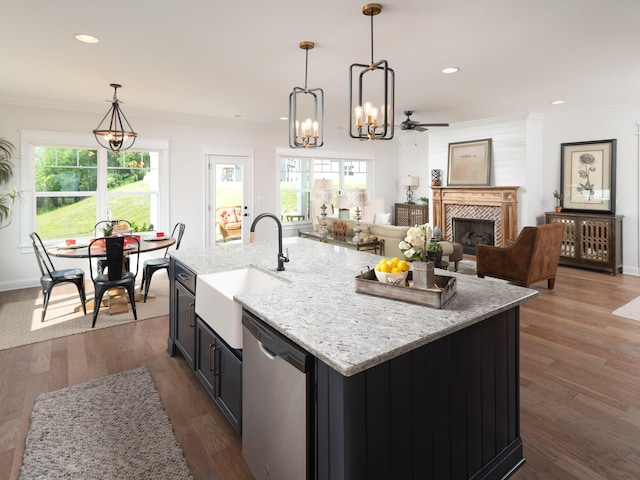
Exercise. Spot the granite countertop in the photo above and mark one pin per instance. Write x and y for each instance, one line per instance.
(319, 309)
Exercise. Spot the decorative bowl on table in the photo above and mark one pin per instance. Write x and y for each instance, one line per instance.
(392, 278)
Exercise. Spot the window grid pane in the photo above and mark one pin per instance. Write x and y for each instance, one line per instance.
(65, 170)
(294, 189)
(296, 182)
(67, 190)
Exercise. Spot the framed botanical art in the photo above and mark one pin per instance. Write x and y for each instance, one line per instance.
(470, 163)
(588, 176)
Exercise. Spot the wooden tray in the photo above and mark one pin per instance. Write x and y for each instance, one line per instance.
(438, 297)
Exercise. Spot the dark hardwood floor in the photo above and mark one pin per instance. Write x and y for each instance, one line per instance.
(580, 384)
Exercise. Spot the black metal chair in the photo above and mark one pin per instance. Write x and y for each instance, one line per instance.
(152, 265)
(52, 277)
(98, 229)
(117, 275)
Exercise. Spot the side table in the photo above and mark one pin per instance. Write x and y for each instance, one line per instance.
(376, 246)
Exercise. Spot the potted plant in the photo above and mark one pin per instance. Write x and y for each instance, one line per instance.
(6, 172)
(107, 230)
(425, 200)
(558, 196)
(434, 252)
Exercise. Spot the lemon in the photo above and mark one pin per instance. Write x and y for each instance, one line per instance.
(403, 265)
(384, 268)
(396, 270)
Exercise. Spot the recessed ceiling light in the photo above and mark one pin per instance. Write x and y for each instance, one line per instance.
(237, 115)
(450, 70)
(557, 102)
(284, 118)
(87, 38)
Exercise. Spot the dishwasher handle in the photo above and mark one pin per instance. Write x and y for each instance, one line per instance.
(267, 353)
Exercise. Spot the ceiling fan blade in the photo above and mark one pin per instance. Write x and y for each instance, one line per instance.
(409, 124)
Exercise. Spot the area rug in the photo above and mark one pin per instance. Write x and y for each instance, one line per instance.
(20, 322)
(114, 427)
(631, 310)
(466, 267)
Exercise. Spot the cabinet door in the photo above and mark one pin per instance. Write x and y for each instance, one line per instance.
(570, 239)
(418, 215)
(205, 357)
(220, 370)
(229, 387)
(401, 215)
(186, 322)
(595, 240)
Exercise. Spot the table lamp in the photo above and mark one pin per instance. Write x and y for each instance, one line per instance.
(323, 194)
(342, 204)
(358, 198)
(409, 182)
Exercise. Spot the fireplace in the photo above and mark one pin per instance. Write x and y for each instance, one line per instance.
(496, 204)
(469, 232)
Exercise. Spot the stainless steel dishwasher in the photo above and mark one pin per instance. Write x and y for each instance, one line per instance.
(277, 404)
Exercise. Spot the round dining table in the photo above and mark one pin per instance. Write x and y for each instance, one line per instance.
(116, 301)
(81, 250)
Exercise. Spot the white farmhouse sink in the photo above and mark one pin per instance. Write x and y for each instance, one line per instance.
(215, 304)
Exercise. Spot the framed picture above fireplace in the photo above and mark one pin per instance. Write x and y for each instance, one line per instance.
(470, 163)
(588, 176)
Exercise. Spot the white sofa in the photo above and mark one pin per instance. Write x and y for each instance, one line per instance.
(392, 236)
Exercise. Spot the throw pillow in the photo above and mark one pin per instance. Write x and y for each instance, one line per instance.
(384, 218)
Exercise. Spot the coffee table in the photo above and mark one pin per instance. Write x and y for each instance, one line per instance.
(376, 246)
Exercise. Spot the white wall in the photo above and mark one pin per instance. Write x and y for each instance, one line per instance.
(188, 138)
(414, 161)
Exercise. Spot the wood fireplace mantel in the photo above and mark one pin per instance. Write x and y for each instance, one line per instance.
(505, 198)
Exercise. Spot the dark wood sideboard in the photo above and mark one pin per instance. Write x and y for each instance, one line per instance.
(590, 240)
(410, 214)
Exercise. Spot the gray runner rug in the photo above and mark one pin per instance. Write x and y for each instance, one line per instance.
(114, 427)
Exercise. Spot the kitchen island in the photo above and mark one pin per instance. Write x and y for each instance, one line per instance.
(402, 391)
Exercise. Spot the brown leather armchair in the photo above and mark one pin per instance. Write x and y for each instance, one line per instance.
(531, 258)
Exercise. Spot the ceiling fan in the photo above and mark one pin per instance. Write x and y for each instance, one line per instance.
(409, 124)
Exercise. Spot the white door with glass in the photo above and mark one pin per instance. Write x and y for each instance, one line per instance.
(229, 196)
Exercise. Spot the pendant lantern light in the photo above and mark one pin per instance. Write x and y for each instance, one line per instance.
(366, 120)
(115, 134)
(306, 133)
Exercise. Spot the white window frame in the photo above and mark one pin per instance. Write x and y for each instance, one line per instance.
(322, 155)
(30, 139)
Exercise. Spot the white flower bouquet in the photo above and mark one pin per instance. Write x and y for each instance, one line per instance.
(414, 246)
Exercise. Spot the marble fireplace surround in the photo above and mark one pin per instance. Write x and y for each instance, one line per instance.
(499, 204)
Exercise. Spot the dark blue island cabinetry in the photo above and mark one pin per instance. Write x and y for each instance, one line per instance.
(446, 410)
